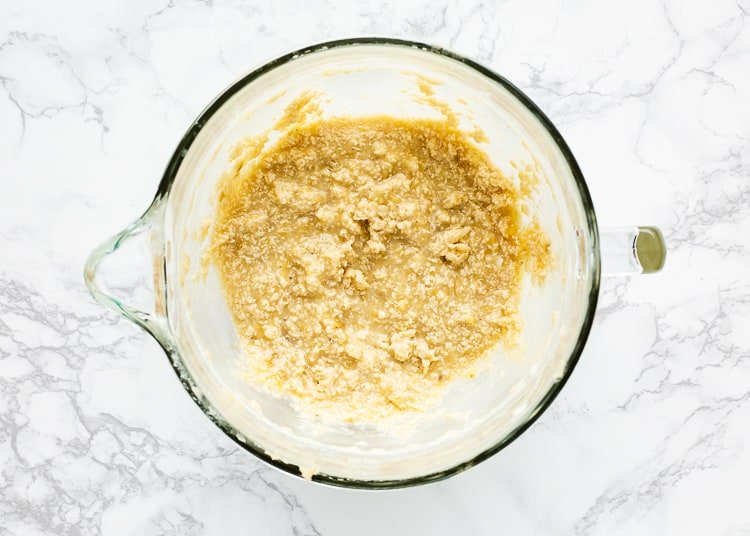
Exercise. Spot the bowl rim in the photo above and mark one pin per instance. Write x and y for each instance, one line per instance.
(178, 157)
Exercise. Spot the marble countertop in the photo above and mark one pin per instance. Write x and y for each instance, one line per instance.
(650, 436)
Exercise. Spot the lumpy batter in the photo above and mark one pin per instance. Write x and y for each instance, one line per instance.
(369, 261)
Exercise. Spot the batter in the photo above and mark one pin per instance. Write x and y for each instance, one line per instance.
(367, 262)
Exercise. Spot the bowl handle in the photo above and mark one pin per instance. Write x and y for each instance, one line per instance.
(127, 274)
(632, 250)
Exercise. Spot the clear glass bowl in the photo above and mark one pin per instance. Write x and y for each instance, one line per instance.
(150, 272)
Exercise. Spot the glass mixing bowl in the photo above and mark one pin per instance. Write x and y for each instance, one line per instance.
(150, 272)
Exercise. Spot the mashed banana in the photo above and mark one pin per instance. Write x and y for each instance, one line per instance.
(367, 262)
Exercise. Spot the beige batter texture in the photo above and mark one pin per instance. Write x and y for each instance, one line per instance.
(367, 262)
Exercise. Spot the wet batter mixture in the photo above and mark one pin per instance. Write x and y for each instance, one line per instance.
(367, 262)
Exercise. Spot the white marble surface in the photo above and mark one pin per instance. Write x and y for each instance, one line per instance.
(650, 436)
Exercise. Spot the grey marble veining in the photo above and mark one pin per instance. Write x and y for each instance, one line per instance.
(650, 436)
